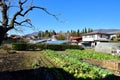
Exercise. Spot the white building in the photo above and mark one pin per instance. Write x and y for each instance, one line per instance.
(95, 38)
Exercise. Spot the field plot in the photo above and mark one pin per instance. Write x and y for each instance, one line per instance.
(98, 59)
(74, 64)
(50, 65)
(26, 65)
(91, 55)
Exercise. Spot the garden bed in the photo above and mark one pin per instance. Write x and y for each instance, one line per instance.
(30, 65)
(49, 65)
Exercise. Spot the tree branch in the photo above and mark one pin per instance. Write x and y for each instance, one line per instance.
(22, 2)
(9, 4)
(21, 13)
(18, 30)
(1, 3)
(41, 8)
(4, 14)
(16, 14)
(25, 21)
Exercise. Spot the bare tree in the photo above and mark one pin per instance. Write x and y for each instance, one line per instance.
(10, 22)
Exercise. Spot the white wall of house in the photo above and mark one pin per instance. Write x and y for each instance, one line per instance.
(84, 38)
(93, 37)
(113, 35)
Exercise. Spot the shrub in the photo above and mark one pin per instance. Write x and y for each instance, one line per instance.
(6, 47)
(31, 46)
(42, 46)
(61, 47)
(75, 47)
(19, 46)
(55, 47)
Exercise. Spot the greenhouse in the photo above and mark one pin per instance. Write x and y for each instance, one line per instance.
(112, 48)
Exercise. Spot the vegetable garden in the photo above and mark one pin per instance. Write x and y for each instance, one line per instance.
(72, 62)
(54, 65)
(91, 55)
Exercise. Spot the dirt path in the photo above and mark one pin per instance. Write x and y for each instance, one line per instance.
(30, 65)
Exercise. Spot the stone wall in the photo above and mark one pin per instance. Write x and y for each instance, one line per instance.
(111, 64)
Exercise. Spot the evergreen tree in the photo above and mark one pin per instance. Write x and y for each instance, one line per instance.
(78, 32)
(74, 33)
(61, 37)
(89, 30)
(54, 33)
(47, 34)
(85, 30)
(40, 34)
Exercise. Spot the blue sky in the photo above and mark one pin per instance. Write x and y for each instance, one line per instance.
(75, 14)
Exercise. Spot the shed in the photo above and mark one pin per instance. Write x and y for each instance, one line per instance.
(106, 47)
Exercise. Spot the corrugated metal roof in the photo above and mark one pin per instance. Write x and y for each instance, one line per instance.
(57, 42)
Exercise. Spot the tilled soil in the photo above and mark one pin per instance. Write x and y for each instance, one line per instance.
(18, 66)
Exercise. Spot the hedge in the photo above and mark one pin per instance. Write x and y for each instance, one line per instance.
(62, 47)
(19, 46)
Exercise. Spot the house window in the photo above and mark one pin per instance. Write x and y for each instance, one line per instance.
(101, 35)
(93, 36)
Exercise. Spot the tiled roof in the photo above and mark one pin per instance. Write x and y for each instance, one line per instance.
(74, 38)
(95, 32)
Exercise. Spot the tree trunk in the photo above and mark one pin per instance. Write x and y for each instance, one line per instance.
(2, 34)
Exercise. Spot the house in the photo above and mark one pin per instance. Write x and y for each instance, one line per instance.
(95, 38)
(76, 40)
(14, 37)
(53, 38)
(115, 36)
(30, 37)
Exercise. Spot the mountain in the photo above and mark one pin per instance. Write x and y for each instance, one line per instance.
(109, 31)
(32, 34)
